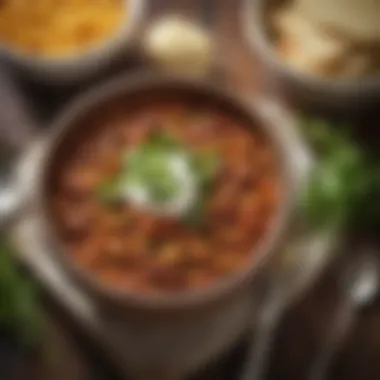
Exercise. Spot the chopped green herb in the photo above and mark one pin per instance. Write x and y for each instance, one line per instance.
(163, 191)
(150, 167)
(323, 136)
(19, 311)
(161, 140)
(195, 218)
(109, 190)
(206, 166)
(345, 185)
(325, 200)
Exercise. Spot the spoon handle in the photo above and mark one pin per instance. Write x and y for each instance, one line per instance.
(259, 352)
(341, 326)
(360, 282)
(17, 129)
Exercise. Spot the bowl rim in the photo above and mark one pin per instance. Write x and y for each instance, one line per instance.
(253, 28)
(134, 11)
(127, 85)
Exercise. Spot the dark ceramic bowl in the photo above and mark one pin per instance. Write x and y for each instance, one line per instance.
(309, 92)
(175, 333)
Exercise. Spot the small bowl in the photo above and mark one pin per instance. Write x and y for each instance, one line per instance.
(82, 66)
(196, 325)
(303, 90)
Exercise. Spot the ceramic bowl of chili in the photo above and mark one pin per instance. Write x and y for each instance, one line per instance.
(165, 199)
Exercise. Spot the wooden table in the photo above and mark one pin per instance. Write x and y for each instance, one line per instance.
(72, 355)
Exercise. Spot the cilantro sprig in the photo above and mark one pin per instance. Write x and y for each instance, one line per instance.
(19, 306)
(149, 166)
(342, 189)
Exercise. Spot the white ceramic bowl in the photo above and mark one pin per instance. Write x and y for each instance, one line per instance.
(304, 90)
(77, 68)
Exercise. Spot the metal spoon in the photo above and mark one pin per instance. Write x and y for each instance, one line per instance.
(17, 126)
(359, 286)
(306, 256)
(10, 193)
(258, 352)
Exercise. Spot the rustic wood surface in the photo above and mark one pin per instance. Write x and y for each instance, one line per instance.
(301, 330)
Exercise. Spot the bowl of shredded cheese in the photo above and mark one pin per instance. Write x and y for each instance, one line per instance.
(66, 41)
(323, 54)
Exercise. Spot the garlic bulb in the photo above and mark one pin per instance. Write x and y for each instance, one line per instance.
(179, 45)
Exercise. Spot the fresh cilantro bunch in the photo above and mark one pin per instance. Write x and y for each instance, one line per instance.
(343, 188)
(149, 165)
(19, 309)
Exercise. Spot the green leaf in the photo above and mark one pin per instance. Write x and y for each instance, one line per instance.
(164, 190)
(151, 169)
(324, 136)
(195, 218)
(19, 307)
(149, 166)
(366, 210)
(109, 191)
(345, 186)
(324, 200)
(206, 165)
(159, 139)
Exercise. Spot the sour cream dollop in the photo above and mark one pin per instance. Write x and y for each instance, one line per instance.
(178, 166)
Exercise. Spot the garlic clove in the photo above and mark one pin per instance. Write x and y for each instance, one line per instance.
(179, 45)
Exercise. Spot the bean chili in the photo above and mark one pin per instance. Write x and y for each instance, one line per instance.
(129, 248)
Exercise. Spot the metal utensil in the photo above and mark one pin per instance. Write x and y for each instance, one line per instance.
(359, 285)
(259, 351)
(10, 195)
(309, 255)
(306, 255)
(17, 125)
